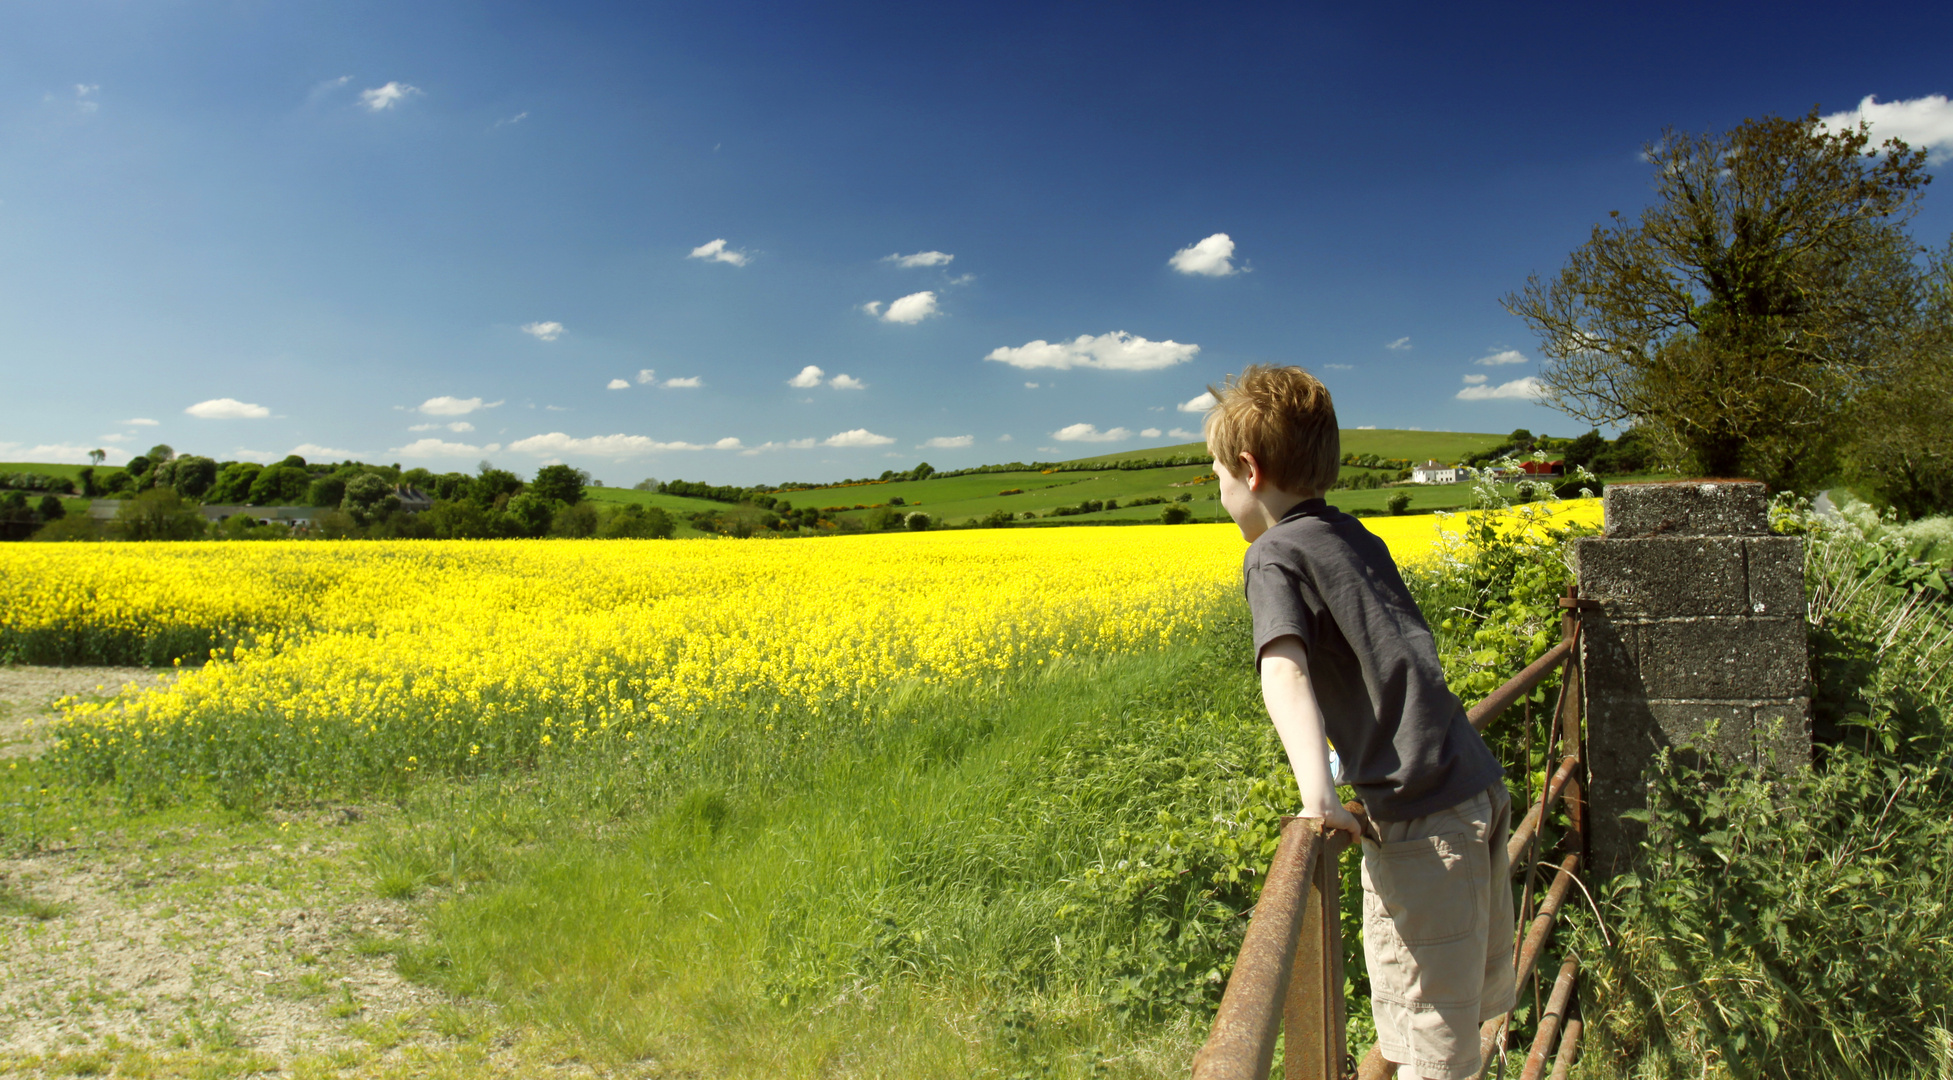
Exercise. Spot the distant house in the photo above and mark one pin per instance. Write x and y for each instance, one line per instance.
(1542, 468)
(413, 500)
(1433, 473)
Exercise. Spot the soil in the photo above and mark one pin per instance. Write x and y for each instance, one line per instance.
(179, 936)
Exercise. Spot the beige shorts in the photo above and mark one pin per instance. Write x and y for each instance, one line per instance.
(1437, 932)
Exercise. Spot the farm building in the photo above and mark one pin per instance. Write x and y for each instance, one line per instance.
(1433, 473)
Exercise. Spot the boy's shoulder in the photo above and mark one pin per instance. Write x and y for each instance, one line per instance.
(1314, 534)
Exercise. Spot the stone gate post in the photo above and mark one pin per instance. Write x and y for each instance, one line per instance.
(1700, 623)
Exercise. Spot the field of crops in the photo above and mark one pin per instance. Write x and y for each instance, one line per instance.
(343, 662)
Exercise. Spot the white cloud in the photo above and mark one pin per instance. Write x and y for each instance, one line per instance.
(140, 421)
(1003, 438)
(1202, 403)
(1030, 386)
(1474, 380)
(1526, 389)
(85, 91)
(717, 251)
(921, 258)
(618, 446)
(618, 384)
(1366, 427)
(554, 408)
(1183, 433)
(689, 382)
(1116, 351)
(947, 442)
(315, 452)
(646, 375)
(458, 426)
(224, 408)
(328, 86)
(1924, 123)
(1149, 433)
(543, 331)
(1211, 257)
(1400, 344)
(55, 453)
(1339, 367)
(846, 382)
(910, 309)
(385, 97)
(857, 437)
(115, 436)
(1505, 356)
(1089, 433)
(791, 444)
(810, 376)
(426, 448)
(452, 406)
(516, 119)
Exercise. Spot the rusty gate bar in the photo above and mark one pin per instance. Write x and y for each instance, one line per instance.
(1522, 837)
(1549, 1020)
(1518, 686)
(1313, 1025)
(1242, 1043)
(1569, 1045)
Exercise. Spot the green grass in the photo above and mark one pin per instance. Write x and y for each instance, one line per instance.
(1025, 877)
(72, 472)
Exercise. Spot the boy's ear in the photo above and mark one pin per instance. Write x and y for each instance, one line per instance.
(1254, 477)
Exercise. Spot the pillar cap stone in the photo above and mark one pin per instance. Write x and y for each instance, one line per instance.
(1687, 508)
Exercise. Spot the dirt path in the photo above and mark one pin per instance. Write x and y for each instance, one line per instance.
(177, 942)
(28, 694)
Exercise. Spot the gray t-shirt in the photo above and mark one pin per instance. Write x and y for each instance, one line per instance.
(1401, 733)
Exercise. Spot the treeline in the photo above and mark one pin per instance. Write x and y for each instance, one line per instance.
(923, 471)
(163, 496)
(1634, 451)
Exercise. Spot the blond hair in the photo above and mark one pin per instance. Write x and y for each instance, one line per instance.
(1283, 416)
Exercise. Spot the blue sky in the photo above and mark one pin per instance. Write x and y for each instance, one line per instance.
(656, 240)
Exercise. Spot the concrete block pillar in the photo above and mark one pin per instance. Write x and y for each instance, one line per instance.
(1700, 624)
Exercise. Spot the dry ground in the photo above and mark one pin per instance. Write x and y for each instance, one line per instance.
(201, 944)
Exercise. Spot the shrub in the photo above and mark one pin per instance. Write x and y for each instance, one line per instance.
(919, 521)
(1398, 502)
(369, 498)
(997, 519)
(1175, 514)
(157, 514)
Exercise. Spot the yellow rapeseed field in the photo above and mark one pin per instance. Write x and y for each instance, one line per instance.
(355, 657)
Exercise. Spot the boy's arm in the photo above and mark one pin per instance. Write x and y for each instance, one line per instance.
(1291, 703)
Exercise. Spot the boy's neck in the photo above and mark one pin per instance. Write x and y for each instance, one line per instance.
(1272, 504)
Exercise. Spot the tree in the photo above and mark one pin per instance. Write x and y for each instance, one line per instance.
(1900, 447)
(283, 485)
(96, 457)
(494, 486)
(368, 498)
(532, 512)
(161, 452)
(560, 482)
(192, 476)
(233, 482)
(919, 521)
(157, 514)
(1746, 308)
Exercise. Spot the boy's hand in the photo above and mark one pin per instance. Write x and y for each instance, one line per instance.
(1339, 819)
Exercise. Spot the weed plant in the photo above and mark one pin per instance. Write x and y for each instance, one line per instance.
(1800, 924)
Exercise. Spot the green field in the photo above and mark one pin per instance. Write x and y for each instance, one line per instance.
(72, 472)
(1445, 446)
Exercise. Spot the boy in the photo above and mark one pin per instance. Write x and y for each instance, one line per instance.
(1344, 654)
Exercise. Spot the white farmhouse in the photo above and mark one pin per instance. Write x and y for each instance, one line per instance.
(1433, 473)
